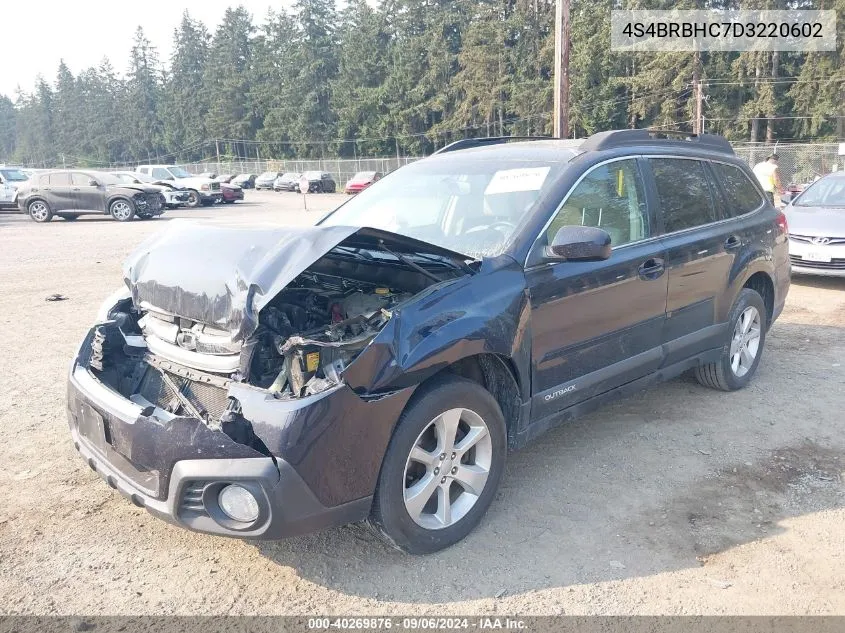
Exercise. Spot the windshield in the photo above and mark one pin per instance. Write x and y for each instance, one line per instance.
(179, 172)
(313, 175)
(827, 192)
(470, 206)
(363, 175)
(268, 174)
(13, 175)
(290, 176)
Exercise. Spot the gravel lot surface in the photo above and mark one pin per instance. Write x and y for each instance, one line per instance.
(679, 500)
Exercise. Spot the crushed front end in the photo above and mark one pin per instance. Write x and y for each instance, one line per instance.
(238, 421)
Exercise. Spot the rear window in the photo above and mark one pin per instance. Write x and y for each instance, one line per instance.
(684, 193)
(742, 195)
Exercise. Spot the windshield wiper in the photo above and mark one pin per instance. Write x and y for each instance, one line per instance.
(407, 261)
(457, 265)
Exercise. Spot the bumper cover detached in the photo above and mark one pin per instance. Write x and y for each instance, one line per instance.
(176, 469)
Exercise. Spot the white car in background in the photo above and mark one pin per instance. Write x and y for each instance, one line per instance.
(10, 179)
(201, 191)
(174, 196)
(816, 220)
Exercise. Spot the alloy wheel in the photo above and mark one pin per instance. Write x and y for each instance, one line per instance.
(447, 469)
(121, 210)
(745, 343)
(39, 211)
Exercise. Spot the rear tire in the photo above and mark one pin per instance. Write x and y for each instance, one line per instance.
(744, 346)
(39, 211)
(425, 502)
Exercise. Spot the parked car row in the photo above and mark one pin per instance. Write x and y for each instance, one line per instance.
(318, 181)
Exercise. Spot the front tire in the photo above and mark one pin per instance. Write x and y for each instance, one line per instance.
(442, 467)
(122, 210)
(39, 211)
(193, 199)
(742, 352)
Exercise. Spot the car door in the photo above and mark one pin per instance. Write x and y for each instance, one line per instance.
(88, 197)
(61, 196)
(700, 251)
(596, 325)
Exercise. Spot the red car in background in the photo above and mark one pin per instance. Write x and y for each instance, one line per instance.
(231, 192)
(361, 181)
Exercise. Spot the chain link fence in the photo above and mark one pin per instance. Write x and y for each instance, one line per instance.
(798, 163)
(341, 169)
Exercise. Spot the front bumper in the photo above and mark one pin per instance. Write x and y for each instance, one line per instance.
(262, 184)
(173, 197)
(211, 196)
(183, 491)
(808, 258)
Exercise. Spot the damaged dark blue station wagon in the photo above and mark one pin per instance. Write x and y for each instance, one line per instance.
(267, 382)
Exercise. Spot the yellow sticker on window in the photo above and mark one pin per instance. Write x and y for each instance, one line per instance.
(312, 361)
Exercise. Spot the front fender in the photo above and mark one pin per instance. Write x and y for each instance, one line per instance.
(484, 313)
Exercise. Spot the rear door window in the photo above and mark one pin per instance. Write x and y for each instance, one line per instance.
(683, 192)
(60, 180)
(742, 195)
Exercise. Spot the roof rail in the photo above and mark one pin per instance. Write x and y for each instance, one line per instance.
(623, 138)
(466, 143)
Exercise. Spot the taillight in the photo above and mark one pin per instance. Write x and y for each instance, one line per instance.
(783, 225)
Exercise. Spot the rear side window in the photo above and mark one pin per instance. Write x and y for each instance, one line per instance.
(683, 192)
(742, 195)
(44, 180)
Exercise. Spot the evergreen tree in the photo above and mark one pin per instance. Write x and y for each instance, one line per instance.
(184, 104)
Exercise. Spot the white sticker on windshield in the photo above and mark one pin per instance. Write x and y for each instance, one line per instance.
(525, 179)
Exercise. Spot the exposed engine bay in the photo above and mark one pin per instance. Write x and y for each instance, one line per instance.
(306, 337)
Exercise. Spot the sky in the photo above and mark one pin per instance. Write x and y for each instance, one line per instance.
(82, 32)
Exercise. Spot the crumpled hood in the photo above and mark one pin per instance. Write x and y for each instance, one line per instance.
(224, 276)
(133, 187)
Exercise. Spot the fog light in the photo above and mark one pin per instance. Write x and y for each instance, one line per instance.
(238, 504)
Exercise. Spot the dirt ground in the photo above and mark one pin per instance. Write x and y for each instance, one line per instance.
(680, 500)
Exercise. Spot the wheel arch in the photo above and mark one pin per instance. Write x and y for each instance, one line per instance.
(762, 283)
(120, 196)
(495, 373)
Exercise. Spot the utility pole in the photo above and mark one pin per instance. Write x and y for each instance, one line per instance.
(561, 85)
(217, 148)
(698, 121)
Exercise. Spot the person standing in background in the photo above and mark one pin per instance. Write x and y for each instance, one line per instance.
(767, 174)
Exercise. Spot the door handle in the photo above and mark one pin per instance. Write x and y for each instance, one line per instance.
(732, 242)
(651, 268)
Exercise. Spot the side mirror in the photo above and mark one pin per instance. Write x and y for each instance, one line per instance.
(579, 243)
(93, 183)
(786, 198)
